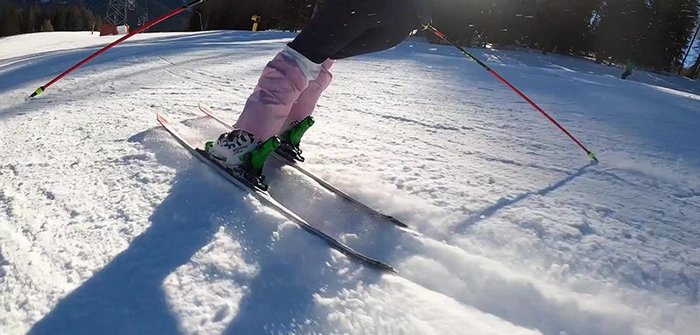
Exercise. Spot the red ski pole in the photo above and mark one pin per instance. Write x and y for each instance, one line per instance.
(148, 25)
(442, 36)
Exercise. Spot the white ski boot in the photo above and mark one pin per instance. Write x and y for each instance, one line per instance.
(240, 152)
(230, 147)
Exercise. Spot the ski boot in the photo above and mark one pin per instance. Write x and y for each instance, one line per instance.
(239, 152)
(291, 139)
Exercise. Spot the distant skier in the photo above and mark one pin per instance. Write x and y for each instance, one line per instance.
(629, 67)
(292, 82)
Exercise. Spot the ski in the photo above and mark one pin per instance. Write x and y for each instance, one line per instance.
(286, 160)
(265, 197)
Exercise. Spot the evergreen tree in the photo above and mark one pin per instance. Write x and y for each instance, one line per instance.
(9, 19)
(47, 26)
(507, 22)
(295, 14)
(29, 20)
(672, 26)
(74, 19)
(88, 17)
(622, 25)
(564, 26)
(462, 20)
(651, 33)
(60, 18)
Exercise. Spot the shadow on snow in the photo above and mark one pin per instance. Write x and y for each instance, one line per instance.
(126, 296)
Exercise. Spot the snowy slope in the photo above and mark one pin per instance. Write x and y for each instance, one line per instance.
(107, 225)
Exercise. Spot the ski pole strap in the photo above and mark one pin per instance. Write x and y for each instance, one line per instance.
(257, 157)
(295, 134)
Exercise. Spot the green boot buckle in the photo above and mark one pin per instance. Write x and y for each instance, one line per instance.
(296, 132)
(292, 138)
(256, 159)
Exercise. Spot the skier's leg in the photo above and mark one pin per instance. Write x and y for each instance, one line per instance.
(339, 24)
(306, 103)
(264, 114)
(372, 26)
(287, 75)
(344, 28)
(299, 119)
(280, 84)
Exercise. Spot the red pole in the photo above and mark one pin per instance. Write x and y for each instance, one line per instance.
(442, 36)
(148, 25)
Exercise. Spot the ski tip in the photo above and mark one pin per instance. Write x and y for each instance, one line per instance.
(162, 118)
(204, 107)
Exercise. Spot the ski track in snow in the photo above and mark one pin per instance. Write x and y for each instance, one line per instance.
(108, 225)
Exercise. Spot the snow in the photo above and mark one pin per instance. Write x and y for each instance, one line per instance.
(107, 225)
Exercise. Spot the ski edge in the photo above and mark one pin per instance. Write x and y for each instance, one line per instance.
(207, 110)
(267, 199)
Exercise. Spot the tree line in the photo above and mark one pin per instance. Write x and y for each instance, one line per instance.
(652, 34)
(16, 19)
(276, 14)
(649, 33)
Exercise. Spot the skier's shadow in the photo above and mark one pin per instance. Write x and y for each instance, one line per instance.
(127, 295)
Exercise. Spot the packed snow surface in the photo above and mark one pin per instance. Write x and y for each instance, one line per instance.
(108, 225)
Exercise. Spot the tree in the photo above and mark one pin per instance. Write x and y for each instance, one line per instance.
(519, 22)
(9, 19)
(47, 26)
(462, 20)
(74, 19)
(295, 14)
(652, 33)
(29, 20)
(88, 18)
(621, 26)
(572, 19)
(672, 26)
(507, 22)
(60, 18)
